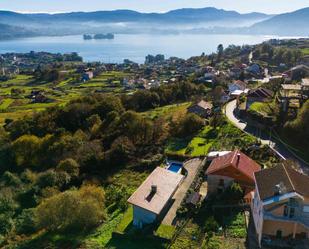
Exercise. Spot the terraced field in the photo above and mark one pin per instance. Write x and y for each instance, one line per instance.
(15, 94)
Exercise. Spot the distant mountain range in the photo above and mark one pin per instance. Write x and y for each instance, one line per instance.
(294, 23)
(10, 32)
(205, 20)
(174, 16)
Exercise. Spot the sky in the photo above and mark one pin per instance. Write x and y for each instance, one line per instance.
(242, 6)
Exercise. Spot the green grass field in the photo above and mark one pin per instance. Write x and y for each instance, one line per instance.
(5, 103)
(167, 111)
(305, 51)
(265, 109)
(195, 147)
(15, 92)
(165, 231)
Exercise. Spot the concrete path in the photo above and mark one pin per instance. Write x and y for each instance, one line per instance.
(192, 167)
(204, 190)
(278, 147)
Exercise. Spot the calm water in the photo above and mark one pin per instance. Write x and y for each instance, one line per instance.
(133, 47)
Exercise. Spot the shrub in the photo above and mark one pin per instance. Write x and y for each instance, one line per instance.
(25, 222)
(76, 210)
(70, 166)
(6, 223)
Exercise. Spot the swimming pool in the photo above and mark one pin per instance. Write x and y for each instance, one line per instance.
(175, 167)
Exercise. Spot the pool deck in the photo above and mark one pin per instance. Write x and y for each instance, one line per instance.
(192, 167)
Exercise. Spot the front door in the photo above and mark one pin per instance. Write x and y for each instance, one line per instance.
(279, 234)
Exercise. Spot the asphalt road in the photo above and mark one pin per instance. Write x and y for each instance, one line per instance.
(265, 139)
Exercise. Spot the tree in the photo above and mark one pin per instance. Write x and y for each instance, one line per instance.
(73, 209)
(70, 166)
(186, 125)
(25, 222)
(121, 150)
(297, 130)
(26, 150)
(220, 50)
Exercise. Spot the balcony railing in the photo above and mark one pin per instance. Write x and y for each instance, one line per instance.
(299, 218)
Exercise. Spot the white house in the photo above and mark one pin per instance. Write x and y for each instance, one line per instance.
(150, 201)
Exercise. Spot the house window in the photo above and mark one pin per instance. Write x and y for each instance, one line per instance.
(292, 212)
(279, 234)
(221, 182)
(286, 211)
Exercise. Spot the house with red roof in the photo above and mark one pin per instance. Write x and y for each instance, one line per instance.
(229, 168)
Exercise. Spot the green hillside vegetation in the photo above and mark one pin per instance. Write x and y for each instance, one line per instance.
(15, 92)
(264, 109)
(93, 145)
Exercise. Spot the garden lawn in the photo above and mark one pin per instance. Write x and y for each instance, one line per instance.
(165, 231)
(103, 234)
(195, 147)
(264, 109)
(126, 220)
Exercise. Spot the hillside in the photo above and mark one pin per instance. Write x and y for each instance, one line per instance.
(131, 21)
(285, 24)
(174, 16)
(8, 32)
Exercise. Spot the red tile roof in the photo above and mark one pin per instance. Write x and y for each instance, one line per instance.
(245, 164)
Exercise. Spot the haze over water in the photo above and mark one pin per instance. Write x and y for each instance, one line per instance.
(134, 47)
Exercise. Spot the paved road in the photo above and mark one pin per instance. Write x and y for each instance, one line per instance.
(276, 145)
(192, 167)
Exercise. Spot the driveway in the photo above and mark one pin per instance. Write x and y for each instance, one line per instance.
(275, 145)
(192, 167)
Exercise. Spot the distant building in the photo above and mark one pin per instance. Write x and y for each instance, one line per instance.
(229, 168)
(202, 108)
(235, 72)
(280, 207)
(254, 69)
(151, 200)
(259, 95)
(237, 86)
(298, 72)
(87, 75)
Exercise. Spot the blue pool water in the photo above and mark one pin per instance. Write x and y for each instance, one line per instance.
(175, 167)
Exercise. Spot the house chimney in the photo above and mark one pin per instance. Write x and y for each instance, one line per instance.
(238, 158)
(277, 189)
(153, 189)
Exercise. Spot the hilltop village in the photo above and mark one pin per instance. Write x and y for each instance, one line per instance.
(207, 152)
